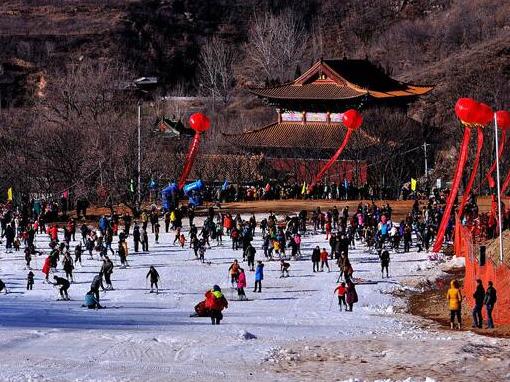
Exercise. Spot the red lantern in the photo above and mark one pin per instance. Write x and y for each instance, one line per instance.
(465, 109)
(352, 119)
(199, 122)
(503, 119)
(484, 114)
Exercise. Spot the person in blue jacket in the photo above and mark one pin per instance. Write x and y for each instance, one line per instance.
(91, 301)
(103, 224)
(259, 276)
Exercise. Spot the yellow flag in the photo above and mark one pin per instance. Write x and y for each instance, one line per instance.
(413, 184)
(9, 194)
(303, 189)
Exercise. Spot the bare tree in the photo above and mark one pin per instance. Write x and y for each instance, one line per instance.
(316, 41)
(276, 44)
(216, 70)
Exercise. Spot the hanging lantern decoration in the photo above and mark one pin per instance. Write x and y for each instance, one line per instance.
(200, 123)
(352, 119)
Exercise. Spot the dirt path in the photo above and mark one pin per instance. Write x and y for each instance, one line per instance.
(400, 207)
(431, 304)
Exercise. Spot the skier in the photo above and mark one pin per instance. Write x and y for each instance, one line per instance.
(64, 286)
(154, 277)
(67, 264)
(316, 258)
(234, 272)
(156, 231)
(241, 284)
(30, 280)
(259, 276)
(215, 302)
(201, 250)
(91, 301)
(107, 270)
(145, 240)
(284, 268)
(136, 236)
(385, 262)
(182, 240)
(177, 236)
(341, 291)
(167, 220)
(324, 259)
(28, 257)
(46, 268)
(250, 256)
(97, 283)
(123, 252)
(77, 254)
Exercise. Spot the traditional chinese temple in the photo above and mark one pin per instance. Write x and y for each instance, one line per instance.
(308, 114)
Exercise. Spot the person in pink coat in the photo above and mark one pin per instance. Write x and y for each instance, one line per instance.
(241, 284)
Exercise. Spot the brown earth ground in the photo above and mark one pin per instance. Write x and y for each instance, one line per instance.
(400, 207)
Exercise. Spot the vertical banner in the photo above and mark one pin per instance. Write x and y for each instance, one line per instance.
(464, 148)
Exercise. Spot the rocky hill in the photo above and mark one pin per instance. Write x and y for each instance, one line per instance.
(462, 48)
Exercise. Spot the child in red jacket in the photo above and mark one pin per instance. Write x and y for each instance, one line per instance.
(341, 291)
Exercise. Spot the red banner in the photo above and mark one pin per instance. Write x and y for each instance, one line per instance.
(190, 158)
(333, 159)
(455, 189)
(506, 183)
(472, 177)
(492, 183)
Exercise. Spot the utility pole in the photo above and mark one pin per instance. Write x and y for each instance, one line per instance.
(139, 151)
(500, 220)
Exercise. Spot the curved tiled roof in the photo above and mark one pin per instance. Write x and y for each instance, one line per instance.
(342, 79)
(309, 91)
(322, 136)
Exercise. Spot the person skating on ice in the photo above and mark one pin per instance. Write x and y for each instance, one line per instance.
(154, 278)
(64, 286)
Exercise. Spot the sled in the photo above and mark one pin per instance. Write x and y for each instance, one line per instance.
(201, 310)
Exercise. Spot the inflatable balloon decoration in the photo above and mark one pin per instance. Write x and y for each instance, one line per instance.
(200, 123)
(192, 191)
(503, 121)
(471, 114)
(170, 196)
(351, 119)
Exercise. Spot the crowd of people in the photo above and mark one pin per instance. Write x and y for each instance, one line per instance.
(369, 224)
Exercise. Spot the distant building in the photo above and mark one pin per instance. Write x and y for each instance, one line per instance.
(309, 111)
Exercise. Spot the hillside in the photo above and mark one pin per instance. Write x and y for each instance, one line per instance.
(462, 49)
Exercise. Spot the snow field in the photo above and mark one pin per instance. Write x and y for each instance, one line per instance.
(142, 335)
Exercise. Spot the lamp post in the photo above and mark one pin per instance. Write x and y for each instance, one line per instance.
(142, 86)
(500, 221)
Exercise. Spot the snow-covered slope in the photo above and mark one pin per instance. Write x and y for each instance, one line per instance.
(143, 336)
